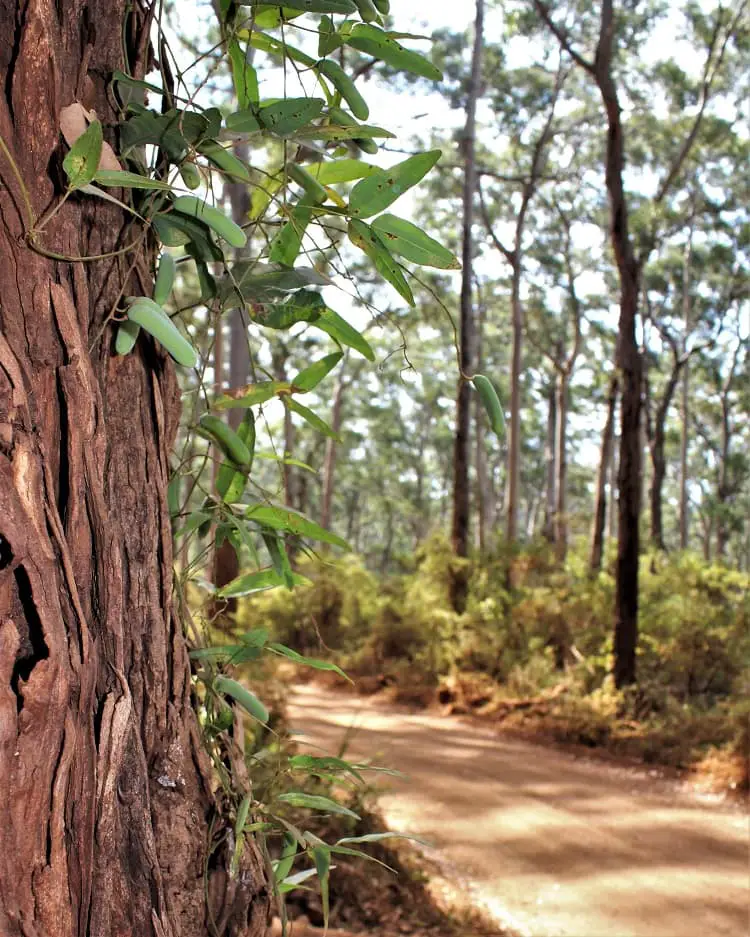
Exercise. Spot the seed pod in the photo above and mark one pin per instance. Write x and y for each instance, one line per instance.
(342, 119)
(190, 175)
(226, 438)
(488, 396)
(164, 278)
(151, 317)
(127, 335)
(311, 185)
(218, 222)
(345, 86)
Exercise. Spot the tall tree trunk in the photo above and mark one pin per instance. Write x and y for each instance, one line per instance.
(105, 792)
(329, 464)
(684, 444)
(658, 459)
(629, 364)
(483, 484)
(684, 392)
(462, 446)
(613, 473)
(226, 561)
(605, 461)
(561, 467)
(514, 433)
(549, 461)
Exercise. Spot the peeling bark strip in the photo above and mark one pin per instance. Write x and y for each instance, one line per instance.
(94, 678)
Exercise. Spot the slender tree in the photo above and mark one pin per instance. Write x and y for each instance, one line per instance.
(462, 445)
(630, 259)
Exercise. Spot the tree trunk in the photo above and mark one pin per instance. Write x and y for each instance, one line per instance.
(514, 434)
(106, 797)
(684, 395)
(613, 472)
(605, 459)
(658, 460)
(226, 561)
(629, 364)
(483, 484)
(462, 446)
(329, 464)
(549, 460)
(561, 467)
(684, 444)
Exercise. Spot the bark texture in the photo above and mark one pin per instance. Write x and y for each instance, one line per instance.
(105, 796)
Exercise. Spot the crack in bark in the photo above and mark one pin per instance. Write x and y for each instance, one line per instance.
(33, 648)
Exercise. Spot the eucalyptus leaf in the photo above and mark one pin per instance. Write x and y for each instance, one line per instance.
(406, 239)
(381, 189)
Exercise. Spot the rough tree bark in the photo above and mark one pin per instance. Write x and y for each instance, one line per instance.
(106, 797)
(462, 443)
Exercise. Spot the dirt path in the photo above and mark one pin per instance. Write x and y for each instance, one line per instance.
(553, 845)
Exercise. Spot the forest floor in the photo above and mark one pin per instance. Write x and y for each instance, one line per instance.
(551, 843)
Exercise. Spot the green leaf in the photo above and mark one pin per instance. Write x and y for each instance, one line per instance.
(375, 42)
(283, 866)
(378, 191)
(260, 282)
(244, 76)
(406, 239)
(281, 49)
(82, 160)
(279, 557)
(249, 701)
(339, 329)
(285, 117)
(174, 132)
(315, 802)
(337, 133)
(126, 81)
(306, 6)
(177, 230)
(231, 479)
(259, 581)
(367, 240)
(282, 518)
(328, 38)
(128, 180)
(243, 121)
(378, 838)
(312, 418)
(283, 651)
(294, 881)
(229, 653)
(310, 377)
(326, 764)
(302, 306)
(287, 244)
(195, 520)
(252, 394)
(321, 856)
(341, 170)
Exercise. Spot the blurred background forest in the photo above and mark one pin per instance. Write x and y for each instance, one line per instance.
(484, 568)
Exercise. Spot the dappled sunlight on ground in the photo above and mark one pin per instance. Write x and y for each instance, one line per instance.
(553, 845)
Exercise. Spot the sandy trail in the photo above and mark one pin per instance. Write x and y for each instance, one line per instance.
(553, 845)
